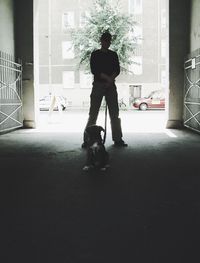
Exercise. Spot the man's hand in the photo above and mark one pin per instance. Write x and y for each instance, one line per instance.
(109, 79)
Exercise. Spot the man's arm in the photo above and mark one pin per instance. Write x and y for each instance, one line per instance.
(116, 66)
(116, 70)
(93, 64)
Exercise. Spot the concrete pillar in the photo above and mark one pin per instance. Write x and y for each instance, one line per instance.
(179, 39)
(24, 50)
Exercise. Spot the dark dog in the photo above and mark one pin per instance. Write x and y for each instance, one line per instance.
(97, 156)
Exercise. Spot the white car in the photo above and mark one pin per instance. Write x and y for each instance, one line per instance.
(45, 102)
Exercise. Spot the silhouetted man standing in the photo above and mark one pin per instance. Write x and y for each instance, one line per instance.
(105, 67)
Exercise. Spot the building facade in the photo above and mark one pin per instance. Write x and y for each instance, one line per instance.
(58, 73)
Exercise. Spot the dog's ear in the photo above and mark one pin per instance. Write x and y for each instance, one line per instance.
(94, 129)
(101, 129)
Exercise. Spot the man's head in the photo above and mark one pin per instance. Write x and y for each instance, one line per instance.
(106, 40)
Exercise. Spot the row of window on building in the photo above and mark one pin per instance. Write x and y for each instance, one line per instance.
(86, 79)
(68, 23)
(68, 76)
(68, 20)
(69, 79)
(68, 51)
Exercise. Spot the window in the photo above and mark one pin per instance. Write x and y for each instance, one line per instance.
(67, 50)
(163, 49)
(67, 20)
(85, 80)
(135, 6)
(163, 19)
(83, 18)
(163, 78)
(136, 67)
(68, 79)
(137, 34)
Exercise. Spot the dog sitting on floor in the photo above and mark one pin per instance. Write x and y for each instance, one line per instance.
(97, 156)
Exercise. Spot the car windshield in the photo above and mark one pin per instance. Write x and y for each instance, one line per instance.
(151, 94)
(156, 95)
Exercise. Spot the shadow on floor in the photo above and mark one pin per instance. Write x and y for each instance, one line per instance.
(145, 208)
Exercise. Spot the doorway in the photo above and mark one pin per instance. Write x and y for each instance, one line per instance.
(56, 73)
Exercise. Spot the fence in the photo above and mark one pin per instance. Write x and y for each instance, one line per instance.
(11, 114)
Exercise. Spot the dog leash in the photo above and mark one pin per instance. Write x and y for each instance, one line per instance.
(105, 124)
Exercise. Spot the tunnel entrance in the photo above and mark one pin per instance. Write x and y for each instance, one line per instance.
(64, 88)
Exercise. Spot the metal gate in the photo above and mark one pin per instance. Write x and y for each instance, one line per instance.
(11, 115)
(192, 91)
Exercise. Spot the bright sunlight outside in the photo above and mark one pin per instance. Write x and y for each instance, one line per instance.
(63, 86)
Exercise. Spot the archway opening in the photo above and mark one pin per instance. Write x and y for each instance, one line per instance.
(56, 72)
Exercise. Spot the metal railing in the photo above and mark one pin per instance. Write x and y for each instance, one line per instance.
(11, 115)
(192, 92)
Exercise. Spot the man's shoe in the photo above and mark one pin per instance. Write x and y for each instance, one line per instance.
(84, 145)
(120, 143)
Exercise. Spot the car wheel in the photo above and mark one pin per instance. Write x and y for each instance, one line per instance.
(63, 107)
(143, 106)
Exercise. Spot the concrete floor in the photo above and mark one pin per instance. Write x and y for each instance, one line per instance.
(145, 208)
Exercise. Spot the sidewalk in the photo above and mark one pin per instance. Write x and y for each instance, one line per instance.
(75, 121)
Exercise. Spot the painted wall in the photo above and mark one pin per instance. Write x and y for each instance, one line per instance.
(7, 26)
(195, 25)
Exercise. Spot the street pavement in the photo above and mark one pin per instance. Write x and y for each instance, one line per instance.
(75, 120)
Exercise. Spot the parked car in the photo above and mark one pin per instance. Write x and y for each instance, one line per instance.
(45, 102)
(155, 100)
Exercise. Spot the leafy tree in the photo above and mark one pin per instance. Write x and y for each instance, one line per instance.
(105, 17)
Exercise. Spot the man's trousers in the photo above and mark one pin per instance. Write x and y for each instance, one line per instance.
(99, 90)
